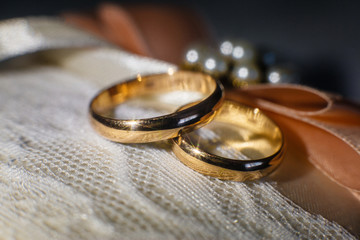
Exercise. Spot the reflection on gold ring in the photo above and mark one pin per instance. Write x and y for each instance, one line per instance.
(241, 143)
(162, 127)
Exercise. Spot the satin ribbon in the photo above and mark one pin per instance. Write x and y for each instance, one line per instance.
(327, 126)
(157, 31)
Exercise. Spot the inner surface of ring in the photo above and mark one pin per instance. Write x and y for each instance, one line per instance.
(150, 85)
(237, 132)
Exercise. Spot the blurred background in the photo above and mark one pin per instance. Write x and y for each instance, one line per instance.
(320, 38)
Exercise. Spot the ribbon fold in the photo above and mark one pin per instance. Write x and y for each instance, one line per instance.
(328, 126)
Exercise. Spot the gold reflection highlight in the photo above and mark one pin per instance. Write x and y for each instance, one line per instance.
(120, 129)
(241, 143)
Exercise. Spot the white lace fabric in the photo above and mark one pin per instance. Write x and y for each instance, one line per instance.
(61, 180)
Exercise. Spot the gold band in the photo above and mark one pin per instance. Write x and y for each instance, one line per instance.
(249, 132)
(162, 127)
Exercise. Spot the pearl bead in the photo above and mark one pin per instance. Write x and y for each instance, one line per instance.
(281, 74)
(213, 64)
(237, 51)
(244, 74)
(202, 58)
(191, 59)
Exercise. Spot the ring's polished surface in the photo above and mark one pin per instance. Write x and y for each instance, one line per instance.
(162, 127)
(253, 141)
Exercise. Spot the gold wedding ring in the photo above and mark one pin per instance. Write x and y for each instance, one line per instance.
(254, 143)
(162, 127)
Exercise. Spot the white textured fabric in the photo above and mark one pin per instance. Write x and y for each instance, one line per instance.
(19, 36)
(61, 180)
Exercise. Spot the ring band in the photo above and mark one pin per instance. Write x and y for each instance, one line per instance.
(162, 127)
(253, 135)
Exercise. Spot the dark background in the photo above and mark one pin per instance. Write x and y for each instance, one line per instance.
(322, 38)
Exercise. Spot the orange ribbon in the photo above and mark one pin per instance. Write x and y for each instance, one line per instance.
(328, 128)
(158, 31)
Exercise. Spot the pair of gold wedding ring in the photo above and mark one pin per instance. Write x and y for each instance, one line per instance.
(253, 144)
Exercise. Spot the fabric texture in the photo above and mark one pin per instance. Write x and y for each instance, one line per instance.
(61, 180)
